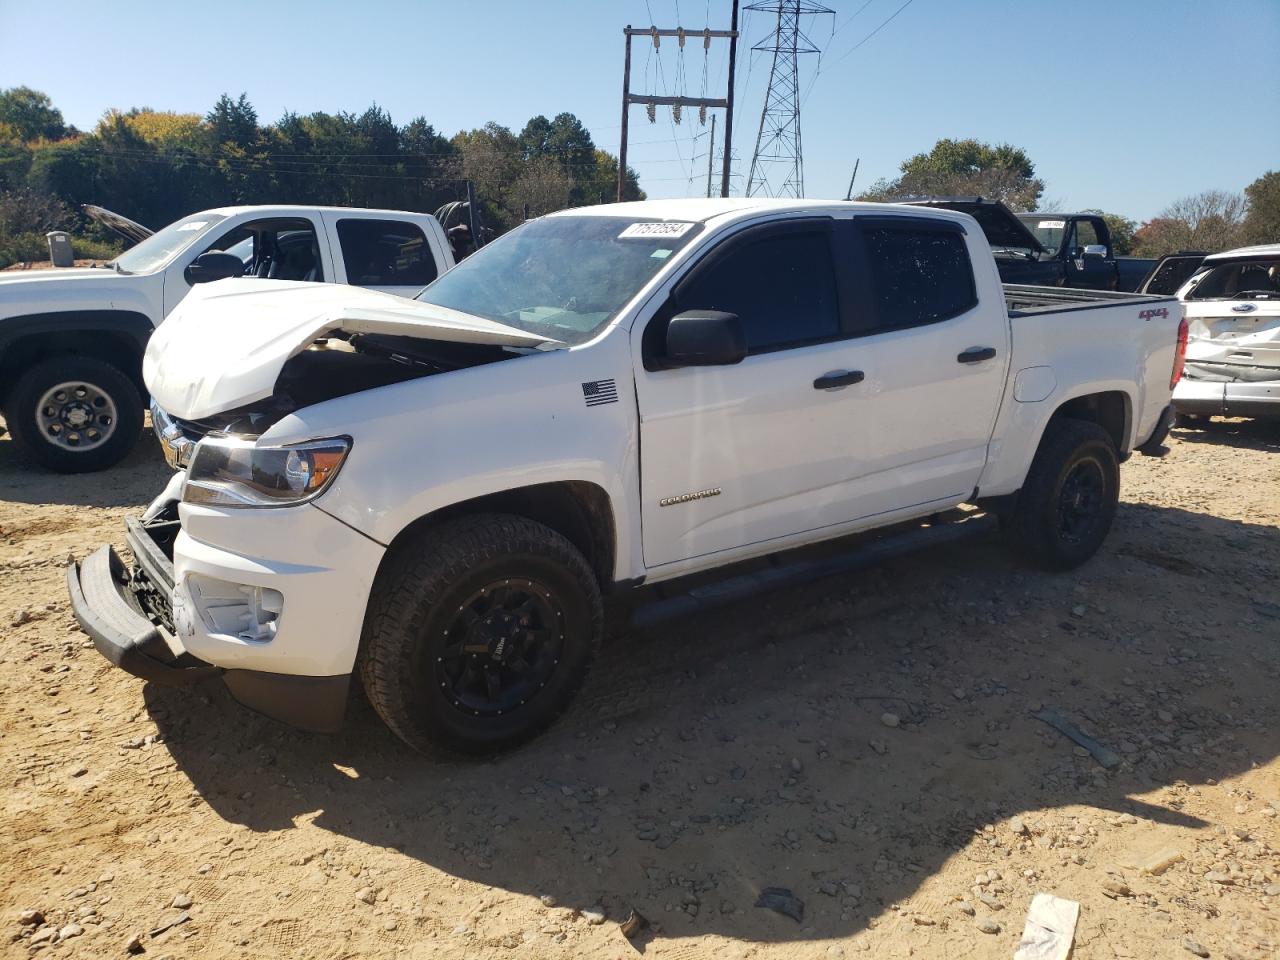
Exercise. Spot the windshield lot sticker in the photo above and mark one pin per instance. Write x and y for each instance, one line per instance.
(661, 253)
(193, 225)
(652, 231)
(1051, 225)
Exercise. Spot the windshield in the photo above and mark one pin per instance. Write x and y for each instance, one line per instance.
(1050, 233)
(159, 248)
(561, 277)
(1237, 280)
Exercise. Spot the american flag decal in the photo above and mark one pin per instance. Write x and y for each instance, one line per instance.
(597, 392)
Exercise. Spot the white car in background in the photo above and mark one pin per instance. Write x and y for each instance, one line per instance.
(1232, 307)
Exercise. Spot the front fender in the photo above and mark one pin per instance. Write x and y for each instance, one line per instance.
(132, 326)
(423, 445)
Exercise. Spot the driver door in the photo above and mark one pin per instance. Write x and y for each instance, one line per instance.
(760, 450)
(1091, 272)
(271, 247)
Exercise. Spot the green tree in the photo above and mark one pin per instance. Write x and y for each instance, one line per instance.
(965, 168)
(602, 185)
(1212, 221)
(31, 114)
(233, 121)
(1262, 222)
(535, 138)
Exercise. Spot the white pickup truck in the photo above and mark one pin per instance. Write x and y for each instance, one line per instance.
(72, 340)
(436, 494)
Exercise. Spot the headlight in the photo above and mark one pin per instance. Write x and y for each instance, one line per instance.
(225, 472)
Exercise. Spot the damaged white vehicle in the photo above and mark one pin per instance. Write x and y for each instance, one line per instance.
(434, 496)
(1232, 307)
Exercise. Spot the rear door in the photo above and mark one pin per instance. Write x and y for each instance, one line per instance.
(935, 357)
(382, 252)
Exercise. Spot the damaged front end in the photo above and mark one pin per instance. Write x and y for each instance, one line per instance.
(128, 611)
(330, 368)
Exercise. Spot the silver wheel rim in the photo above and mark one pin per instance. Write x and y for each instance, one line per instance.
(76, 415)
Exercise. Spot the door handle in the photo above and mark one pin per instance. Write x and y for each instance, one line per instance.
(976, 354)
(837, 378)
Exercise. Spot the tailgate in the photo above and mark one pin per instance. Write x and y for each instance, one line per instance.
(1243, 335)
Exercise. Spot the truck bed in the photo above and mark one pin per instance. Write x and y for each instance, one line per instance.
(1021, 300)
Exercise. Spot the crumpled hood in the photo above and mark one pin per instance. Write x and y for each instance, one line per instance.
(226, 343)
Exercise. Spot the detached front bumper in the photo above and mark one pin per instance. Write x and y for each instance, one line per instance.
(98, 588)
(129, 612)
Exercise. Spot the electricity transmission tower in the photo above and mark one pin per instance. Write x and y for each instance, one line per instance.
(778, 138)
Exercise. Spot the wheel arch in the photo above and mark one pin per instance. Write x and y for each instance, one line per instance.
(579, 510)
(1110, 409)
(118, 337)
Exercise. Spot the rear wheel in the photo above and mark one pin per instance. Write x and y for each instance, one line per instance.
(479, 633)
(1065, 509)
(75, 414)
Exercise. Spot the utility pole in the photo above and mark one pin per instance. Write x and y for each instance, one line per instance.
(651, 101)
(711, 152)
(848, 194)
(778, 137)
(728, 113)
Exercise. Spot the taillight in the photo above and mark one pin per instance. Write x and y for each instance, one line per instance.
(1180, 354)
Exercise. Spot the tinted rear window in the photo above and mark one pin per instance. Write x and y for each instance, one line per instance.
(1239, 280)
(386, 253)
(920, 275)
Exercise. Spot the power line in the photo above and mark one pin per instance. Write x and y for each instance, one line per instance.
(884, 24)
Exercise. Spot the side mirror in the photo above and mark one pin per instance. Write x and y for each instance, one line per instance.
(214, 265)
(705, 338)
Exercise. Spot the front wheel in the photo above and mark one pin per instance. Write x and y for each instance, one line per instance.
(479, 633)
(1065, 508)
(74, 414)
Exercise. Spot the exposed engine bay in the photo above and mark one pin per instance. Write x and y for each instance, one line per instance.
(341, 365)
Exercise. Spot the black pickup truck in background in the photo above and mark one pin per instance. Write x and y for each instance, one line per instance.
(1050, 249)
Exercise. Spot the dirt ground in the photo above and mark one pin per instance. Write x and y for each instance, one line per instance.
(866, 742)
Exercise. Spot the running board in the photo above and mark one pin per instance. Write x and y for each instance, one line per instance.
(712, 595)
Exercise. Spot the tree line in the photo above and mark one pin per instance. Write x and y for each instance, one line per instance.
(155, 166)
(1212, 221)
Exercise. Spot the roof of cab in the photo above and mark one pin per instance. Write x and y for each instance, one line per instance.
(700, 210)
(1261, 250)
(287, 208)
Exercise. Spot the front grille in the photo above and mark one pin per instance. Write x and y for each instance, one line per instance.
(151, 576)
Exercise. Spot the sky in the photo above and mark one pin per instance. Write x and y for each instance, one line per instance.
(1123, 105)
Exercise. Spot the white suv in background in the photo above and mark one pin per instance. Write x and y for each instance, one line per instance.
(1232, 307)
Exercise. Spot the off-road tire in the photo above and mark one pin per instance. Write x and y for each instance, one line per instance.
(1034, 525)
(416, 599)
(21, 408)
